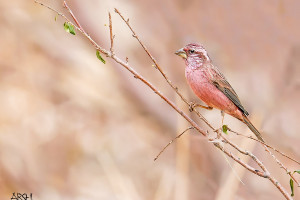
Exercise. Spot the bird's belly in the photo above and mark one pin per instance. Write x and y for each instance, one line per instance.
(209, 93)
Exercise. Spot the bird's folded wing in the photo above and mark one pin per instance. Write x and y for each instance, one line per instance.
(221, 83)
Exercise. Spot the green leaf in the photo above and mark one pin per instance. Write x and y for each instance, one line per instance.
(297, 171)
(99, 56)
(55, 18)
(292, 187)
(69, 28)
(224, 129)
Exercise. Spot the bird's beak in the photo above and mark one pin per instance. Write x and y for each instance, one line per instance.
(181, 53)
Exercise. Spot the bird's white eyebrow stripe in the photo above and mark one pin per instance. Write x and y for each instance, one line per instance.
(204, 53)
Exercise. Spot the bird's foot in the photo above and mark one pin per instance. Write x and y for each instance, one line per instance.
(193, 105)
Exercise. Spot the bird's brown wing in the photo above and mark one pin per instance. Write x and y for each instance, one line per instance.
(222, 84)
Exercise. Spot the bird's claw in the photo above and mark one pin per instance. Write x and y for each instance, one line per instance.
(192, 106)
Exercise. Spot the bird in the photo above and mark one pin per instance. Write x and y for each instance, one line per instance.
(211, 86)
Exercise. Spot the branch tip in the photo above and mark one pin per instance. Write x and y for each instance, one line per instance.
(178, 136)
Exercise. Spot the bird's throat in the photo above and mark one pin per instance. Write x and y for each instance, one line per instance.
(194, 63)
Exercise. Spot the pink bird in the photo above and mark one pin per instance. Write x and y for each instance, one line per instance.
(210, 85)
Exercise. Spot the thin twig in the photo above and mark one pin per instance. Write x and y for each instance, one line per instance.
(252, 138)
(237, 159)
(57, 12)
(247, 153)
(112, 37)
(266, 146)
(232, 169)
(282, 166)
(72, 15)
(178, 136)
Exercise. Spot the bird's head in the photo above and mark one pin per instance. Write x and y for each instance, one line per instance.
(193, 54)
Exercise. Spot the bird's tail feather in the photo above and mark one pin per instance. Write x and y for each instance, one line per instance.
(252, 128)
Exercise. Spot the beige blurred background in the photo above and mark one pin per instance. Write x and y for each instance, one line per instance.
(74, 128)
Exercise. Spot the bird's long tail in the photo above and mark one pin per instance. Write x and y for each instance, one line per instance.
(252, 128)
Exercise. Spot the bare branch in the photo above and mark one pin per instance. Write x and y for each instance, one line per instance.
(57, 12)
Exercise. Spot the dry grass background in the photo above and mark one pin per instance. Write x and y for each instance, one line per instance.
(74, 128)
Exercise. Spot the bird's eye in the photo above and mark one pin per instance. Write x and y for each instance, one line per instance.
(192, 51)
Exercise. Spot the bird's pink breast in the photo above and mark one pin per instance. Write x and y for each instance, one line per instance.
(198, 79)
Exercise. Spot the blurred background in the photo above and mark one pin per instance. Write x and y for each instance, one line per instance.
(72, 127)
